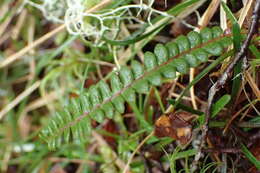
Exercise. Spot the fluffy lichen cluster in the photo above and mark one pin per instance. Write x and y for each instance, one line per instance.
(79, 20)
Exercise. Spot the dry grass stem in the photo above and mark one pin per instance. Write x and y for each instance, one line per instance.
(19, 98)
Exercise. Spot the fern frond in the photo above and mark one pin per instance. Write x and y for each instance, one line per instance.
(106, 97)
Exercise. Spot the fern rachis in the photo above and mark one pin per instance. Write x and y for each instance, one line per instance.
(184, 52)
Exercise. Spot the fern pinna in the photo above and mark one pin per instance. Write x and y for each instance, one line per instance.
(73, 122)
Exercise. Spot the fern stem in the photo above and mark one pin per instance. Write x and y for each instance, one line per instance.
(158, 97)
(143, 123)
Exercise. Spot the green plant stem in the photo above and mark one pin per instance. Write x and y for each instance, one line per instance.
(140, 117)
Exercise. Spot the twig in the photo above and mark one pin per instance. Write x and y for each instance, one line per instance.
(222, 150)
(226, 75)
(20, 22)
(192, 91)
(19, 98)
(209, 13)
(126, 169)
(252, 84)
(64, 159)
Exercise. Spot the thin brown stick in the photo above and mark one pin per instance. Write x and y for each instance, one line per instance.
(252, 84)
(19, 98)
(20, 22)
(127, 169)
(222, 150)
(209, 13)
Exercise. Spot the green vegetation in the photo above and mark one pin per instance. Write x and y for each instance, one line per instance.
(122, 86)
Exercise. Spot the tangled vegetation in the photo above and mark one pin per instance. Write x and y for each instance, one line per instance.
(129, 86)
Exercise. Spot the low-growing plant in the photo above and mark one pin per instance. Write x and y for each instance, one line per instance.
(100, 101)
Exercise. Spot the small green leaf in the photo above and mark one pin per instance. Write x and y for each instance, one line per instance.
(85, 103)
(191, 60)
(149, 60)
(137, 68)
(98, 115)
(104, 89)
(126, 75)
(129, 95)
(217, 31)
(237, 37)
(255, 51)
(169, 72)
(201, 55)
(108, 110)
(226, 41)
(206, 34)
(86, 125)
(229, 12)
(181, 65)
(237, 40)
(183, 43)
(141, 86)
(214, 49)
(250, 156)
(161, 53)
(185, 108)
(94, 96)
(118, 103)
(115, 83)
(220, 104)
(194, 38)
(172, 49)
(155, 79)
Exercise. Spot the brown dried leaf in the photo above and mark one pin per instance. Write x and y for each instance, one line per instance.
(175, 125)
(73, 95)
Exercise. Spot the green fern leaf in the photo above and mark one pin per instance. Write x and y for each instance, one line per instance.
(102, 100)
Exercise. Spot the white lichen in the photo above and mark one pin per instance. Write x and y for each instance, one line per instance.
(93, 25)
